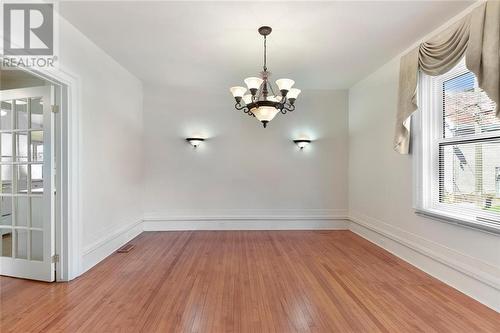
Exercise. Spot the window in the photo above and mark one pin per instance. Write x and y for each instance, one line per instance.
(497, 180)
(457, 150)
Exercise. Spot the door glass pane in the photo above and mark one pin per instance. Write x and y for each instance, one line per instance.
(21, 114)
(6, 210)
(22, 178)
(36, 245)
(6, 178)
(37, 212)
(22, 147)
(21, 243)
(36, 113)
(21, 206)
(5, 116)
(6, 147)
(5, 242)
(37, 146)
(37, 178)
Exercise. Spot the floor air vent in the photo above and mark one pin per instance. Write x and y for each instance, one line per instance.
(126, 248)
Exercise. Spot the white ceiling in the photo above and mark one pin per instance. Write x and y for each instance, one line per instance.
(321, 45)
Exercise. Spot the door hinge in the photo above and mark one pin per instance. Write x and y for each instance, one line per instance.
(55, 108)
(55, 258)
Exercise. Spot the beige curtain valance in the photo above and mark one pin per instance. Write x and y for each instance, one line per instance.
(477, 36)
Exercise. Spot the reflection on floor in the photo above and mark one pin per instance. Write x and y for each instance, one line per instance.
(245, 281)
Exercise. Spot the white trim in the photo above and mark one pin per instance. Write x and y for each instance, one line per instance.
(469, 275)
(102, 248)
(427, 139)
(252, 220)
(257, 223)
(69, 227)
(443, 216)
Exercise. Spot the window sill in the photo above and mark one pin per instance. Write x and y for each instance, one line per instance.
(462, 221)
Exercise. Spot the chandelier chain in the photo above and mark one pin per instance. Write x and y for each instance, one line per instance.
(265, 54)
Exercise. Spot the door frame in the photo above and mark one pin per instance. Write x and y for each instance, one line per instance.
(68, 223)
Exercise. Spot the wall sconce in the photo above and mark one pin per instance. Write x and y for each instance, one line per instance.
(302, 143)
(195, 141)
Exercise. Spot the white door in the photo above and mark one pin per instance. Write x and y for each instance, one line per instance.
(27, 184)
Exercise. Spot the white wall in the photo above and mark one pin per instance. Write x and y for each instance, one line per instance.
(380, 198)
(110, 103)
(243, 169)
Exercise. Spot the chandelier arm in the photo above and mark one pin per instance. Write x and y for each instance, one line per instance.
(247, 111)
(240, 107)
(287, 108)
(244, 108)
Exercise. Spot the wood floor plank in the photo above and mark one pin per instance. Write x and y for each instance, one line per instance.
(245, 281)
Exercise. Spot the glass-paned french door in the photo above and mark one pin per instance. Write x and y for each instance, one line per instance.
(26, 184)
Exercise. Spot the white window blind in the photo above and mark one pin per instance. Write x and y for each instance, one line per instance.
(460, 151)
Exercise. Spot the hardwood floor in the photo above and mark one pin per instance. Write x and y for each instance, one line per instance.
(245, 281)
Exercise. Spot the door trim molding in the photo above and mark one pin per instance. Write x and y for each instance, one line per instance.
(68, 226)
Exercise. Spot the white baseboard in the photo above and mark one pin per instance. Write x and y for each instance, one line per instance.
(247, 224)
(259, 220)
(99, 250)
(471, 276)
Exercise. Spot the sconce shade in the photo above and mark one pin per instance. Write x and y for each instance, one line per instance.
(195, 141)
(302, 143)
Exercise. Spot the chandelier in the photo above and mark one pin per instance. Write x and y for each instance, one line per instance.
(262, 103)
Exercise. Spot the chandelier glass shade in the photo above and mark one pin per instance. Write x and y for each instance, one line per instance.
(262, 102)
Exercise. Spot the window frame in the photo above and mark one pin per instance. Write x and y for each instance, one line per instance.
(427, 136)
